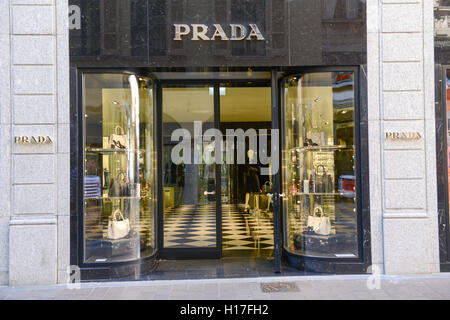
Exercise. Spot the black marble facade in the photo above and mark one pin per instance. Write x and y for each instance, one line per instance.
(442, 36)
(442, 64)
(124, 33)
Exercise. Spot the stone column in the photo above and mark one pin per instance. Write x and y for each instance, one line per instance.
(5, 139)
(402, 172)
(34, 99)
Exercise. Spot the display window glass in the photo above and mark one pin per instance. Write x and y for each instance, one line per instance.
(319, 181)
(246, 193)
(190, 219)
(448, 130)
(119, 182)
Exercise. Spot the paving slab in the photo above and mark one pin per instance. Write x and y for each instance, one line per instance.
(416, 287)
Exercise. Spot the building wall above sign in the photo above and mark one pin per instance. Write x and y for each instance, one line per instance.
(228, 33)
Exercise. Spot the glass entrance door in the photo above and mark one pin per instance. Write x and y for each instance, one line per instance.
(217, 204)
(190, 195)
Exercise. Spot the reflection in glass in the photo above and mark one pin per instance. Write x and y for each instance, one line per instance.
(119, 168)
(318, 165)
(189, 188)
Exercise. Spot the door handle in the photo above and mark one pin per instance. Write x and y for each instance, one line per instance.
(282, 195)
(269, 194)
(211, 193)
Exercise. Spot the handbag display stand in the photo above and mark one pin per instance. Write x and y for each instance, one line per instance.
(309, 241)
(126, 247)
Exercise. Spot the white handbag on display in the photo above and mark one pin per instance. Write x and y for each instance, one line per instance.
(320, 224)
(118, 228)
(118, 140)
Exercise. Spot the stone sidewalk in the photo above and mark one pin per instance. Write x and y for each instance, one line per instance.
(357, 287)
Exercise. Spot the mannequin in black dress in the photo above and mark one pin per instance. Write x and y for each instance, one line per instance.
(252, 184)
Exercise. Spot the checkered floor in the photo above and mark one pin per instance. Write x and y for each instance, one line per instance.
(190, 227)
(242, 231)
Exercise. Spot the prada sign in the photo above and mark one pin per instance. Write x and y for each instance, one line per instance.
(203, 32)
(33, 140)
(402, 136)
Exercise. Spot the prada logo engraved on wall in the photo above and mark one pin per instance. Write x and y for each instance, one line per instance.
(32, 140)
(402, 136)
(203, 32)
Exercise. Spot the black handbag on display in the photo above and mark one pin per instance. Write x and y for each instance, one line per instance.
(324, 182)
(114, 188)
(124, 187)
(120, 186)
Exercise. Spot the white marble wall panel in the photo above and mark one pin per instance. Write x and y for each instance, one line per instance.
(33, 50)
(400, 105)
(5, 140)
(34, 109)
(37, 58)
(33, 252)
(400, 33)
(34, 199)
(29, 19)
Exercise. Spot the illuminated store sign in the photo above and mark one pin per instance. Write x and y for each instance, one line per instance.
(201, 31)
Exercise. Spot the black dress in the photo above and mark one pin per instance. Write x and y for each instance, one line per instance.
(252, 184)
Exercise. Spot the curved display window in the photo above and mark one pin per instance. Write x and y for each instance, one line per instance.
(119, 168)
(318, 178)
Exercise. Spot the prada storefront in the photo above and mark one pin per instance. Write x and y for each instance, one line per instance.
(211, 130)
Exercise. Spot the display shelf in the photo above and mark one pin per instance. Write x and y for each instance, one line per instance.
(317, 194)
(112, 151)
(114, 198)
(322, 148)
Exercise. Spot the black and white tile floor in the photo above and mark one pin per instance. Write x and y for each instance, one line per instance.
(190, 227)
(242, 231)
